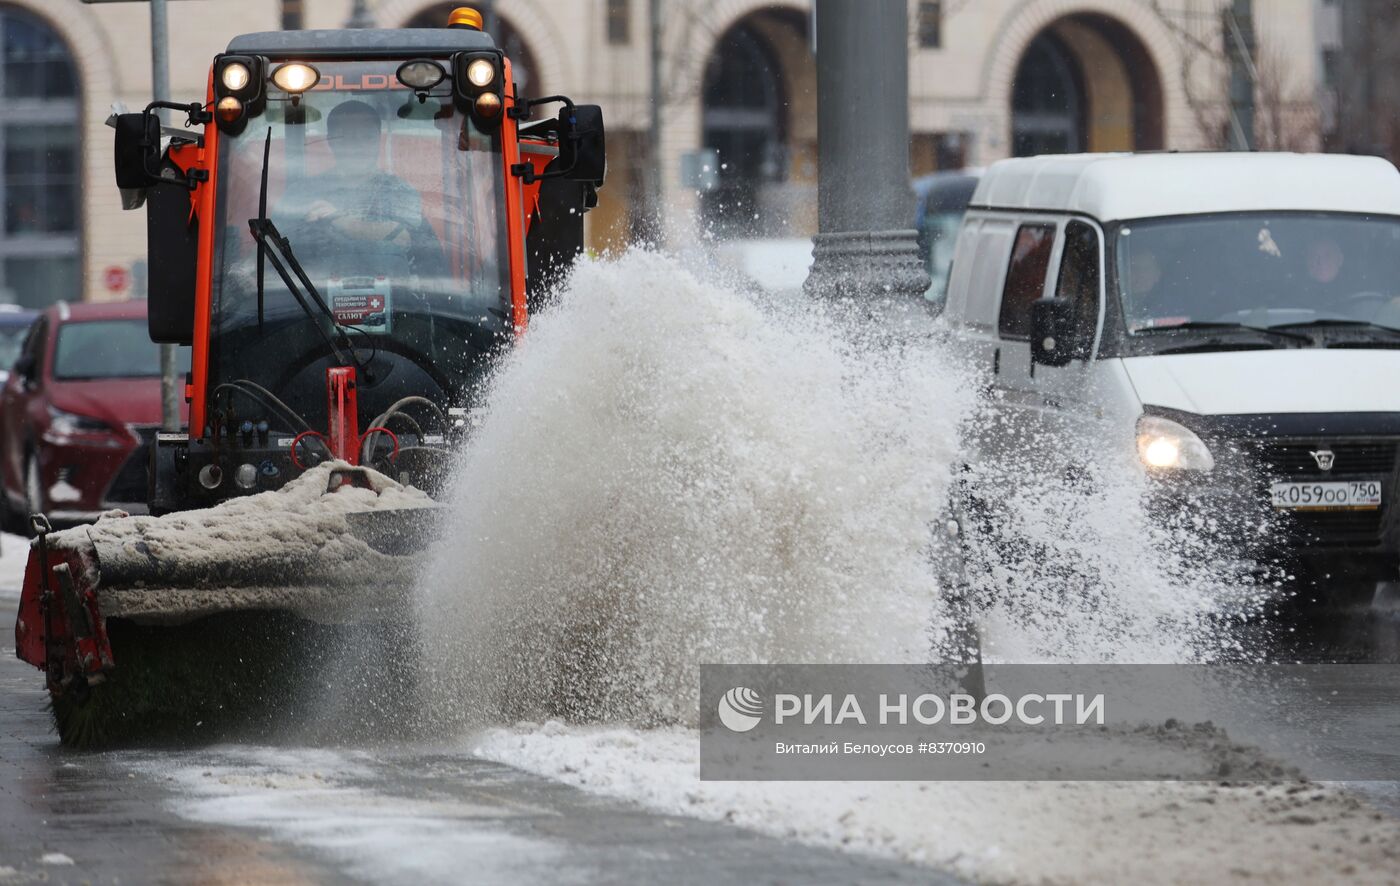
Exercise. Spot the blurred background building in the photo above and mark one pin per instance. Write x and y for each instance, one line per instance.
(737, 134)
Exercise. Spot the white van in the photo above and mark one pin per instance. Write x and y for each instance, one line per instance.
(1241, 311)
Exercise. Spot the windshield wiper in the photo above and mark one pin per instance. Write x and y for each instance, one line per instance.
(1339, 323)
(1206, 326)
(262, 216)
(1216, 343)
(279, 251)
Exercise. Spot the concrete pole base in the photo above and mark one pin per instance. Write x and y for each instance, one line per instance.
(867, 265)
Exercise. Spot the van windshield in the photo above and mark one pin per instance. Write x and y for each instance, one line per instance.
(1259, 270)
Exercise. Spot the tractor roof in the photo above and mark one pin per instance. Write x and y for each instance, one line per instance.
(361, 43)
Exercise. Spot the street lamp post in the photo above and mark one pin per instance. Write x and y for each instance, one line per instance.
(865, 246)
(160, 91)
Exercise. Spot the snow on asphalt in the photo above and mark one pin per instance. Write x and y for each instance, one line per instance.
(1005, 832)
(311, 798)
(14, 553)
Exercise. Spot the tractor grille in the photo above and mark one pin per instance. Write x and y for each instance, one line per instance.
(131, 485)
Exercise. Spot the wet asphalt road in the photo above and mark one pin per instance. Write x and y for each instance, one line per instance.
(416, 814)
(380, 815)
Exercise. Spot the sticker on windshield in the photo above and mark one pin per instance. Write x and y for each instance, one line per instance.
(362, 302)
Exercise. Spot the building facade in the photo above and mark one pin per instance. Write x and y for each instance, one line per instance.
(737, 140)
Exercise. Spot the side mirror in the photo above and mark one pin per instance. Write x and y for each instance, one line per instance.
(137, 150)
(582, 147)
(1052, 331)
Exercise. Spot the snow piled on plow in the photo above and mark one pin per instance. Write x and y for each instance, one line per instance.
(291, 549)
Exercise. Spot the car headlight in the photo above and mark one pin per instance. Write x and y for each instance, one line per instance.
(70, 423)
(1165, 445)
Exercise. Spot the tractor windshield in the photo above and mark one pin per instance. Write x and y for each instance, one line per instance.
(393, 206)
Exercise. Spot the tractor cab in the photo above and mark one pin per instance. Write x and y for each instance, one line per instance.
(347, 231)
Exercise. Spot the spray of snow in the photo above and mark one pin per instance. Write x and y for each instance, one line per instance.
(668, 472)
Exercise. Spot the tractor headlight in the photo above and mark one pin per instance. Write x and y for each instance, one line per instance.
(421, 74)
(481, 73)
(229, 109)
(294, 78)
(488, 104)
(236, 76)
(1165, 445)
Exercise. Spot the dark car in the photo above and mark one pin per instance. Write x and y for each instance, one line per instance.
(940, 202)
(14, 325)
(77, 414)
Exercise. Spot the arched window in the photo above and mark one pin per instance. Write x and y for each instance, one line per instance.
(1087, 82)
(1047, 101)
(39, 163)
(743, 115)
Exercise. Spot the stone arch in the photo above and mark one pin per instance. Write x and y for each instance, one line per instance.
(698, 43)
(72, 21)
(539, 30)
(757, 107)
(1113, 32)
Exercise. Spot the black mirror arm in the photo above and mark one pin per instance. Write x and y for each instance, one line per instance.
(521, 111)
(196, 115)
(195, 112)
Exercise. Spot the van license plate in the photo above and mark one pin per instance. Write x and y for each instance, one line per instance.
(1350, 495)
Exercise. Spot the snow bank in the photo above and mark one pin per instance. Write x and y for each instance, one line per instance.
(1009, 832)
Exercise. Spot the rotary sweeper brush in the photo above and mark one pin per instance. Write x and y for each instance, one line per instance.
(351, 223)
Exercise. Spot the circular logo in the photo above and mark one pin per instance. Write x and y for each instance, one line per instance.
(740, 709)
(116, 278)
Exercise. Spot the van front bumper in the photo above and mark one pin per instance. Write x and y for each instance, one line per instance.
(1231, 504)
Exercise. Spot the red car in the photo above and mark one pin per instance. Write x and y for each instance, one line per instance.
(78, 413)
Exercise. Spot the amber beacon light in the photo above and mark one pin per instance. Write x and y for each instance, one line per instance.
(464, 17)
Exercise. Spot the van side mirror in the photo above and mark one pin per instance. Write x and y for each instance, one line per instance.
(1052, 331)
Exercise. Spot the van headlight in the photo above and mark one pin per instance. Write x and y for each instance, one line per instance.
(1165, 445)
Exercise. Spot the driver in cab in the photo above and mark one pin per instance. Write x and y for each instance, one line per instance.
(355, 217)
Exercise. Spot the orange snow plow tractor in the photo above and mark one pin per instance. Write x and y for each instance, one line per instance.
(347, 231)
